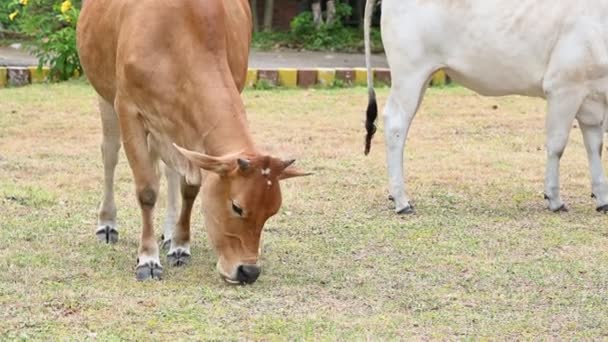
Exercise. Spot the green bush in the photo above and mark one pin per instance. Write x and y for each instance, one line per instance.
(332, 37)
(51, 28)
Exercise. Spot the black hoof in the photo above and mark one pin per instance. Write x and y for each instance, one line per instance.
(407, 210)
(149, 270)
(561, 209)
(107, 234)
(179, 257)
(603, 209)
(165, 244)
(391, 198)
(592, 195)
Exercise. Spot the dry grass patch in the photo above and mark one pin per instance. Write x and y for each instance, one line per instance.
(481, 258)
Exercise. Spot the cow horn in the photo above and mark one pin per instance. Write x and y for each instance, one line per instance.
(243, 164)
(287, 163)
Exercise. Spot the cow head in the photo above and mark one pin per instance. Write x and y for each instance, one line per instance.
(239, 193)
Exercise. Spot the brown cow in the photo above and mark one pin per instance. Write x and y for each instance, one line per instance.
(169, 74)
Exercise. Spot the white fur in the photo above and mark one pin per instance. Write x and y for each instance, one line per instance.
(173, 202)
(557, 50)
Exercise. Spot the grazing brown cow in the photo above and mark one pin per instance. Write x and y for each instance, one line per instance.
(169, 74)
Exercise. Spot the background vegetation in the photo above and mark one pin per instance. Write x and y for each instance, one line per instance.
(310, 31)
(49, 30)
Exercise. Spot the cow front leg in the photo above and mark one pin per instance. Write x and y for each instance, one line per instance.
(107, 230)
(563, 107)
(145, 173)
(593, 137)
(173, 188)
(400, 109)
(179, 254)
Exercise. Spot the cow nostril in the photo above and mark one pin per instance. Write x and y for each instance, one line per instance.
(248, 274)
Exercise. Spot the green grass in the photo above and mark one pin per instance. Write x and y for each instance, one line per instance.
(481, 258)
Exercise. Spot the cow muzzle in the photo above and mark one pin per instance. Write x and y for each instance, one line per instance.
(243, 274)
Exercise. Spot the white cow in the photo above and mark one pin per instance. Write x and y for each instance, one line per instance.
(556, 50)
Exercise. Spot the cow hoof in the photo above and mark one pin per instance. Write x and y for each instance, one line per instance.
(406, 211)
(562, 209)
(149, 270)
(391, 198)
(107, 234)
(556, 209)
(178, 257)
(603, 209)
(165, 244)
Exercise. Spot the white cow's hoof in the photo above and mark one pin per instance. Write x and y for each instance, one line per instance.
(406, 211)
(602, 209)
(556, 206)
(107, 234)
(560, 209)
(178, 257)
(149, 270)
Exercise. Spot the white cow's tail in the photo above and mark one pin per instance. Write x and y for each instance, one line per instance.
(372, 106)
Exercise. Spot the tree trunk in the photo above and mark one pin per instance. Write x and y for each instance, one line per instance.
(331, 12)
(317, 14)
(254, 15)
(268, 12)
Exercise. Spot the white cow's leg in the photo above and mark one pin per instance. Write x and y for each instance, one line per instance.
(107, 229)
(593, 136)
(400, 109)
(173, 203)
(563, 107)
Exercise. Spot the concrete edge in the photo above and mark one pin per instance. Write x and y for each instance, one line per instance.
(16, 76)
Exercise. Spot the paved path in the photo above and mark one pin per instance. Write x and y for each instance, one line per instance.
(14, 57)
(310, 59)
(258, 59)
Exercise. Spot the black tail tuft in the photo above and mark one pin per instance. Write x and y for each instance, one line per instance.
(370, 120)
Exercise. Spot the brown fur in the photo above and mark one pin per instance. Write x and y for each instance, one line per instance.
(174, 71)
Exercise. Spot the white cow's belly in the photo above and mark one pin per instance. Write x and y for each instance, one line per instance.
(493, 47)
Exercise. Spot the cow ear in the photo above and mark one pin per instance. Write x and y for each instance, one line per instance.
(220, 165)
(291, 172)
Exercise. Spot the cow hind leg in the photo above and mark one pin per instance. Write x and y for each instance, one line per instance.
(143, 164)
(107, 230)
(179, 254)
(401, 107)
(563, 106)
(593, 136)
(172, 206)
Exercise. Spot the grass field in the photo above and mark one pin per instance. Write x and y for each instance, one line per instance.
(480, 258)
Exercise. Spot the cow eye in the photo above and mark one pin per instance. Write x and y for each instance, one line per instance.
(238, 210)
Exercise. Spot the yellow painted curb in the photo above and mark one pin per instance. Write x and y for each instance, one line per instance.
(326, 77)
(3, 77)
(361, 76)
(252, 77)
(39, 76)
(439, 79)
(288, 77)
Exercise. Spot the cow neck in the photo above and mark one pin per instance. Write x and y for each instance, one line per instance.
(227, 132)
